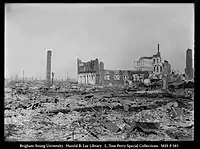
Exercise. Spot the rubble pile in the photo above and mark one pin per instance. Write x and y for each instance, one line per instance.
(69, 112)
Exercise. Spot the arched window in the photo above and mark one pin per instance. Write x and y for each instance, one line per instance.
(160, 68)
(107, 77)
(116, 77)
(84, 80)
(157, 69)
(125, 77)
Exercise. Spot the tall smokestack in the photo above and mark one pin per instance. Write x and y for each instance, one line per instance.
(48, 69)
(189, 68)
(158, 48)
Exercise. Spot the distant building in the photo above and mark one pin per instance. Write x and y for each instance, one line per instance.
(189, 69)
(89, 72)
(120, 77)
(152, 64)
(93, 72)
(144, 64)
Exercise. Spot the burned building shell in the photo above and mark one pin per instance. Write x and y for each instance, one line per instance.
(89, 72)
(93, 72)
(153, 64)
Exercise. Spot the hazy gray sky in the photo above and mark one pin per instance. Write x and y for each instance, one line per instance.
(116, 34)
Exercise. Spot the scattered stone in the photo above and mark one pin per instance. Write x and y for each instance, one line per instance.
(96, 113)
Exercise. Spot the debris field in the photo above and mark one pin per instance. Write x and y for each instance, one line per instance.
(74, 112)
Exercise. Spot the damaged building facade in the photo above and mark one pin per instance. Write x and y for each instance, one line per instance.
(153, 64)
(120, 77)
(89, 72)
(93, 72)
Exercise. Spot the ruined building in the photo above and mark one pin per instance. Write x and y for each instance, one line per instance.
(89, 72)
(189, 69)
(120, 77)
(48, 69)
(93, 72)
(153, 64)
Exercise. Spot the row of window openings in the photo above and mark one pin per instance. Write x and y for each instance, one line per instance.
(154, 60)
(117, 77)
(156, 69)
(86, 77)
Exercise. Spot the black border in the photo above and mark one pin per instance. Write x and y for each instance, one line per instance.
(182, 144)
